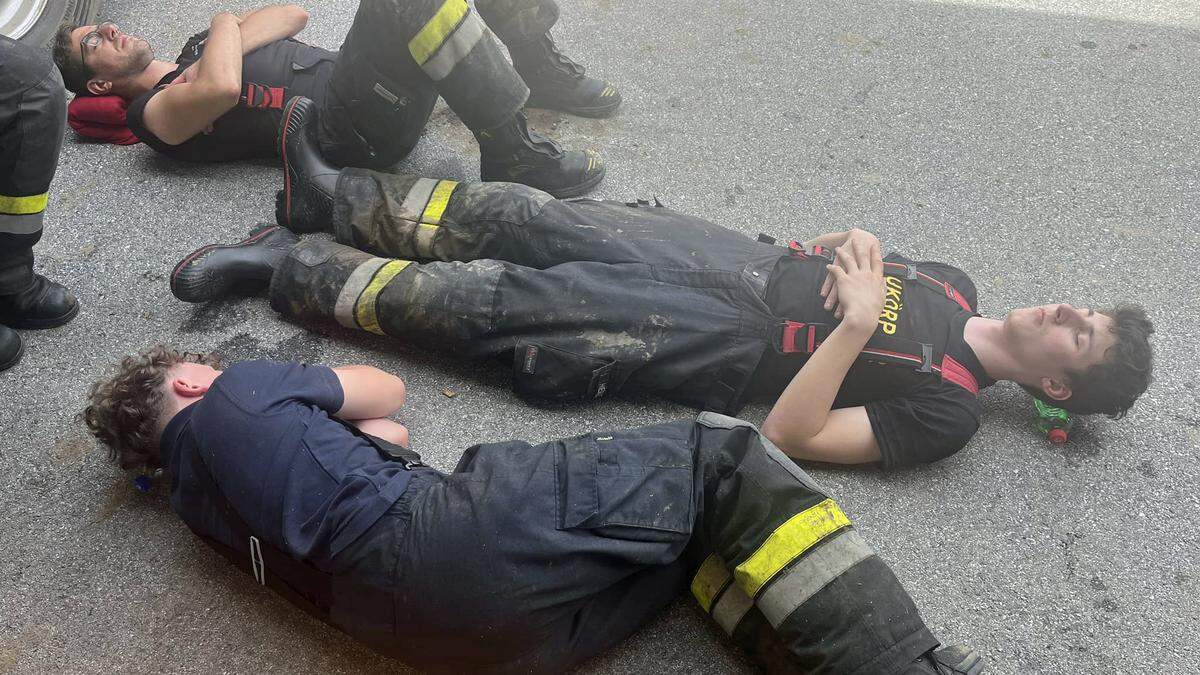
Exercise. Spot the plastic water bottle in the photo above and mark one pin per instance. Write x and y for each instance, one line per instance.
(1055, 423)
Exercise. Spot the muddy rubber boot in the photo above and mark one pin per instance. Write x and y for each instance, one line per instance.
(306, 202)
(514, 153)
(954, 660)
(45, 304)
(11, 347)
(558, 83)
(245, 268)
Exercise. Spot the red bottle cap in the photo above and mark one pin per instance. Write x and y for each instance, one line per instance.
(1057, 436)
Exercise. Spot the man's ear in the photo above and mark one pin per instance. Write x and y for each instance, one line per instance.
(1058, 390)
(99, 87)
(188, 389)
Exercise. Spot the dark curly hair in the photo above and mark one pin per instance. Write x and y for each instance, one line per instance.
(124, 410)
(74, 74)
(1112, 386)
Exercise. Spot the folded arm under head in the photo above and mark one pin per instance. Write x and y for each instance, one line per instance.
(128, 410)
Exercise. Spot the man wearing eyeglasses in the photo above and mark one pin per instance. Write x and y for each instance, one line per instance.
(223, 97)
(32, 116)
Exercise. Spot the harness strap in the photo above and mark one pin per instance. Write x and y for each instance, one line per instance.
(804, 338)
(895, 269)
(262, 96)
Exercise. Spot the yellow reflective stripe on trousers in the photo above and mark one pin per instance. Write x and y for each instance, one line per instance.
(456, 48)
(709, 580)
(788, 542)
(438, 202)
(814, 572)
(20, 206)
(434, 33)
(365, 312)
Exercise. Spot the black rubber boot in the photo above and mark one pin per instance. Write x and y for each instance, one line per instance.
(953, 660)
(514, 153)
(558, 83)
(11, 347)
(306, 202)
(45, 304)
(216, 271)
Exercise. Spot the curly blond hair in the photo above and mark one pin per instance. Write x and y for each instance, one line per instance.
(123, 410)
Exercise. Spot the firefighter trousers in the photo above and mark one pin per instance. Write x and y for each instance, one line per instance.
(584, 297)
(400, 55)
(533, 558)
(33, 113)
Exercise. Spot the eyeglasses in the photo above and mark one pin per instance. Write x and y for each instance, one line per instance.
(92, 41)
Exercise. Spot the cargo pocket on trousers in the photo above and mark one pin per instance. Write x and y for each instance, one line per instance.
(638, 489)
(542, 371)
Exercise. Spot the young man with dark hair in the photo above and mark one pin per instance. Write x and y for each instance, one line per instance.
(221, 99)
(32, 118)
(526, 558)
(587, 298)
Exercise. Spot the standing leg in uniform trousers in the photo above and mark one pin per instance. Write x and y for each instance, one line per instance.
(32, 118)
(398, 58)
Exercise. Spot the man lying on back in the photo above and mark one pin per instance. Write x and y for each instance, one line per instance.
(867, 359)
(222, 98)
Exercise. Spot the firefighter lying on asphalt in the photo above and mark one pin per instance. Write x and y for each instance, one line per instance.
(526, 558)
(222, 98)
(870, 358)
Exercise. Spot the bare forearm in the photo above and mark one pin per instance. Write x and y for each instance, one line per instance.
(803, 408)
(220, 68)
(276, 22)
(368, 392)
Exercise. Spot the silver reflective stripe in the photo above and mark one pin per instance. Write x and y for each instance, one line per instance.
(815, 571)
(26, 223)
(418, 197)
(343, 311)
(455, 48)
(731, 607)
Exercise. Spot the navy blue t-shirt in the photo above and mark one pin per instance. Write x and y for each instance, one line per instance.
(301, 480)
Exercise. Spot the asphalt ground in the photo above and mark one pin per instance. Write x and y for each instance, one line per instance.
(1049, 152)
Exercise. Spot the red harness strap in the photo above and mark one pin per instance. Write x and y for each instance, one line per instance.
(260, 96)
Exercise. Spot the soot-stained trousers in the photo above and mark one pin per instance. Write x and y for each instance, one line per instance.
(586, 297)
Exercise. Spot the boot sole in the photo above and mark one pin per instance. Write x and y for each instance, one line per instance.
(215, 288)
(16, 359)
(580, 189)
(44, 324)
(598, 112)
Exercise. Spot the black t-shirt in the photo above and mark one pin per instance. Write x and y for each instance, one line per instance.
(916, 418)
(245, 132)
(300, 480)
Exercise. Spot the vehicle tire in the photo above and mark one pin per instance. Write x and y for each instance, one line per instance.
(36, 21)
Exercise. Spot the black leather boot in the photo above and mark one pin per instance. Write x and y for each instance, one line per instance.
(244, 268)
(11, 347)
(306, 202)
(514, 153)
(45, 304)
(558, 83)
